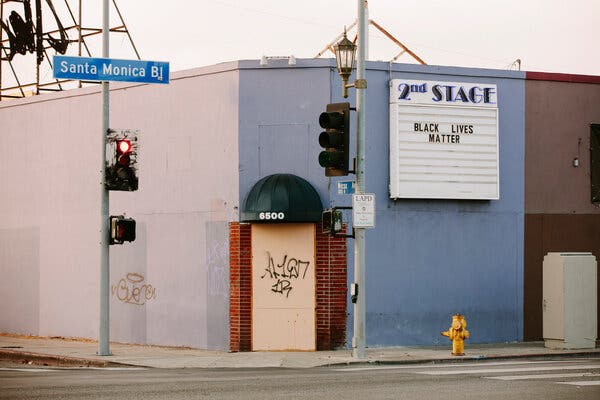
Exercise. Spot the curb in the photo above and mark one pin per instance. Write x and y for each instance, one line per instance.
(462, 359)
(25, 357)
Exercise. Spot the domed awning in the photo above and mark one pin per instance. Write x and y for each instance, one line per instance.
(282, 198)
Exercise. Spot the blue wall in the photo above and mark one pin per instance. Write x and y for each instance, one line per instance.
(278, 121)
(426, 259)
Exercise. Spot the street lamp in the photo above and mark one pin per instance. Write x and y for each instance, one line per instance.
(344, 56)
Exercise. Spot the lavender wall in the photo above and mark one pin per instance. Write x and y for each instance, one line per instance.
(426, 259)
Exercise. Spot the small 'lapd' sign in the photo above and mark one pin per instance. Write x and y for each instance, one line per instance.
(363, 210)
(110, 69)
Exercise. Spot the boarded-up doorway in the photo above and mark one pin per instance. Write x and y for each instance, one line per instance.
(283, 287)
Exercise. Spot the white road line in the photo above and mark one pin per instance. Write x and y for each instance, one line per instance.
(545, 376)
(106, 368)
(460, 371)
(581, 383)
(27, 369)
(53, 369)
(478, 364)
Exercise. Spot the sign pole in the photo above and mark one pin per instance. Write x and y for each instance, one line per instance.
(358, 341)
(104, 330)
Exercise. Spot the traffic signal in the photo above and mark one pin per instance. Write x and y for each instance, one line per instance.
(331, 221)
(335, 139)
(121, 229)
(121, 160)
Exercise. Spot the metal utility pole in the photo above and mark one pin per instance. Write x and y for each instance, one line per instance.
(358, 341)
(104, 331)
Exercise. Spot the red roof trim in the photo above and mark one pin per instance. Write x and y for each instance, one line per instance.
(548, 76)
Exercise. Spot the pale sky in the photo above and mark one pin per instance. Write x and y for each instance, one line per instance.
(546, 35)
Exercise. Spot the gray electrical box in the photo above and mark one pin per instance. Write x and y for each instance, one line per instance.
(569, 305)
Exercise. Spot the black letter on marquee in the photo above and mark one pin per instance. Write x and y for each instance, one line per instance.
(462, 95)
(487, 94)
(404, 91)
(437, 93)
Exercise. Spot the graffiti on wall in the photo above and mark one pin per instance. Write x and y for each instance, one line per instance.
(283, 275)
(217, 253)
(133, 289)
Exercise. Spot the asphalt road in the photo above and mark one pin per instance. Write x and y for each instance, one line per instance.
(577, 378)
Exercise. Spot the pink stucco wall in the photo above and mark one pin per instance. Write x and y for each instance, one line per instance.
(50, 150)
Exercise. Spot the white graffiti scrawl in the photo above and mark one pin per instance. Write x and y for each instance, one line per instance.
(284, 274)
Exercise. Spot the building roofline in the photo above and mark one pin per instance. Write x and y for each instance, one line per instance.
(381, 66)
(557, 77)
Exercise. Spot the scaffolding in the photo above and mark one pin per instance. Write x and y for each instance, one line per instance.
(26, 38)
(403, 49)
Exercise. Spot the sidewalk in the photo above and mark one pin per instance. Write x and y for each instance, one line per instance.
(81, 352)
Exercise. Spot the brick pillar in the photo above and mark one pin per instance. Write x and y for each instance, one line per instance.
(331, 286)
(240, 287)
(331, 279)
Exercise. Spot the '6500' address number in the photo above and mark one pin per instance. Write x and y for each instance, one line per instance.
(271, 215)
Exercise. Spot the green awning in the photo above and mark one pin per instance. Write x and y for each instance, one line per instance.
(282, 198)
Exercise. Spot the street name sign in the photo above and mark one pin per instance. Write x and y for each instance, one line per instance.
(345, 187)
(110, 69)
(363, 210)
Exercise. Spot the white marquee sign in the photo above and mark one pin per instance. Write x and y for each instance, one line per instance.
(443, 140)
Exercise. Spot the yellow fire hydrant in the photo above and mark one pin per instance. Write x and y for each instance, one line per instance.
(457, 333)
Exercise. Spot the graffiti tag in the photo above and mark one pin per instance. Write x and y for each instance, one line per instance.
(133, 290)
(283, 274)
(216, 259)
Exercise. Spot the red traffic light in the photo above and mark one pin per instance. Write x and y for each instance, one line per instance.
(123, 150)
(123, 146)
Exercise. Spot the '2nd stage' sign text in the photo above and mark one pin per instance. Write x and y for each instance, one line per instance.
(449, 93)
